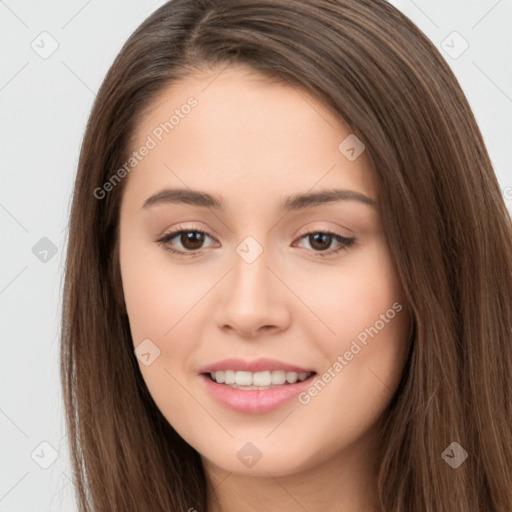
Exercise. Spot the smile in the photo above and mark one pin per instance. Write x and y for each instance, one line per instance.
(257, 380)
(251, 399)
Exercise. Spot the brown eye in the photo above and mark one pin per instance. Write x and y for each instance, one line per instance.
(191, 240)
(321, 241)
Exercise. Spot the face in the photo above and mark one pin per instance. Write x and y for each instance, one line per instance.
(257, 274)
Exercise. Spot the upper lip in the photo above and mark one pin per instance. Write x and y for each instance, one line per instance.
(256, 365)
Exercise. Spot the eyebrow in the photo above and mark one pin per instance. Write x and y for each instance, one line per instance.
(291, 203)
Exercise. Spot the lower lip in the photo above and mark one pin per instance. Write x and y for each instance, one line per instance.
(254, 401)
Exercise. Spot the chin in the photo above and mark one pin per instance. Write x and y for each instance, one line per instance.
(249, 459)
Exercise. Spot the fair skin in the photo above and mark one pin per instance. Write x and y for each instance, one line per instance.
(253, 143)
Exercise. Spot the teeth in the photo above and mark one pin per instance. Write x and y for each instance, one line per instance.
(260, 379)
(291, 377)
(243, 378)
(278, 377)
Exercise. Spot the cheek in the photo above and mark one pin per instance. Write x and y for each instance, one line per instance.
(160, 305)
(352, 297)
(369, 318)
(157, 294)
(164, 303)
(365, 358)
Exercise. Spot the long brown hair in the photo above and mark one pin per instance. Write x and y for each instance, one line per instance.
(448, 229)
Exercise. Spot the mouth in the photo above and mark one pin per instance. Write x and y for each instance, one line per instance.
(257, 381)
(255, 387)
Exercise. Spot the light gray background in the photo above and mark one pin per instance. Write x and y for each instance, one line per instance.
(45, 103)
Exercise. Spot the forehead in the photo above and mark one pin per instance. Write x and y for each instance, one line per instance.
(233, 131)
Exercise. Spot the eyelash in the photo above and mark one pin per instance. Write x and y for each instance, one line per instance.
(346, 242)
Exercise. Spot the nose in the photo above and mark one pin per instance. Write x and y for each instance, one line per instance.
(252, 300)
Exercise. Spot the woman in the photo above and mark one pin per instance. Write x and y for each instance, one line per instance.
(289, 277)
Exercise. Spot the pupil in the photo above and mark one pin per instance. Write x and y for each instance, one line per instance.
(192, 240)
(322, 237)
